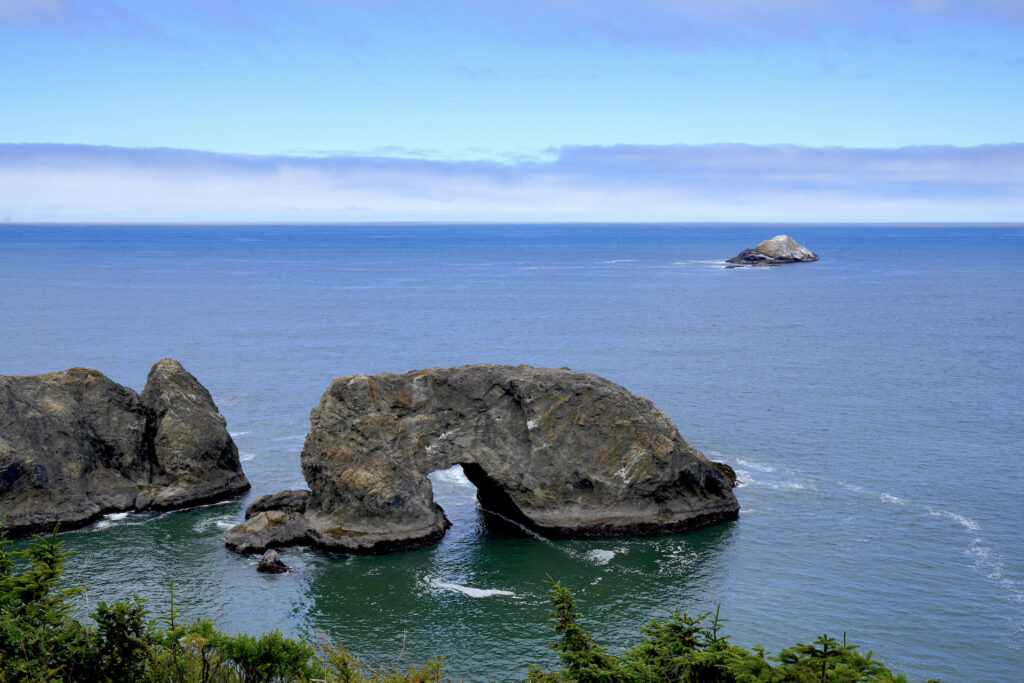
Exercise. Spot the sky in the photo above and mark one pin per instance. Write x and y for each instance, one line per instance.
(520, 110)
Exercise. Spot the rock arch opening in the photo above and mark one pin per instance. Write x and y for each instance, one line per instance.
(469, 497)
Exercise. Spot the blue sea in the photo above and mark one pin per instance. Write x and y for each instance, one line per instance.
(872, 403)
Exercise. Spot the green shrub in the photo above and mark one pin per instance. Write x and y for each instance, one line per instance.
(39, 640)
(268, 657)
(686, 649)
(121, 640)
(188, 654)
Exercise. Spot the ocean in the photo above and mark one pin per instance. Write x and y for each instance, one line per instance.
(872, 404)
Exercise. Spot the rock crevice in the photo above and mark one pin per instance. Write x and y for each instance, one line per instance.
(567, 453)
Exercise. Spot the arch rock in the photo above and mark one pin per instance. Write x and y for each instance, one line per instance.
(565, 453)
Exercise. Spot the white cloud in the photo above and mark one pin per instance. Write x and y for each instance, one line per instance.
(620, 183)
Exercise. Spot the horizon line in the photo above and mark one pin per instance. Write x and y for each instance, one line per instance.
(470, 223)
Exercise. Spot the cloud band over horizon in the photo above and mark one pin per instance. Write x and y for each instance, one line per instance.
(674, 183)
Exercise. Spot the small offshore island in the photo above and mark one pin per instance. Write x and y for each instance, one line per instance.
(776, 251)
(75, 445)
(566, 453)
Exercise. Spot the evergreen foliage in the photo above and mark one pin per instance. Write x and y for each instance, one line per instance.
(686, 649)
(41, 641)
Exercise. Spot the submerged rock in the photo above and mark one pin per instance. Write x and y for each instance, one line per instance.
(778, 250)
(75, 445)
(271, 563)
(566, 453)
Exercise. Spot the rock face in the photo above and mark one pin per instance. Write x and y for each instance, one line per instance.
(566, 453)
(778, 250)
(75, 445)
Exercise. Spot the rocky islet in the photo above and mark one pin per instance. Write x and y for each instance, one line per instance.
(566, 453)
(776, 251)
(75, 445)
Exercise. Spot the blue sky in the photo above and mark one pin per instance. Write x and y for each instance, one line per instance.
(463, 110)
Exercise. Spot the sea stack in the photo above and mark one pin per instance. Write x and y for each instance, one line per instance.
(565, 453)
(75, 445)
(776, 251)
(271, 563)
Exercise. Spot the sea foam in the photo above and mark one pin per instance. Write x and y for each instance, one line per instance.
(468, 590)
(598, 556)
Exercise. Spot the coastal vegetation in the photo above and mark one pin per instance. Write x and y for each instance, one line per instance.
(41, 640)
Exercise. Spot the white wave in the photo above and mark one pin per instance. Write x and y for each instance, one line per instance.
(233, 434)
(246, 457)
(987, 560)
(850, 487)
(468, 590)
(107, 521)
(789, 486)
(760, 467)
(886, 498)
(219, 522)
(621, 260)
(599, 556)
(965, 522)
(452, 475)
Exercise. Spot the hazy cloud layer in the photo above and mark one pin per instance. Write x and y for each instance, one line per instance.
(24, 11)
(678, 22)
(688, 23)
(620, 183)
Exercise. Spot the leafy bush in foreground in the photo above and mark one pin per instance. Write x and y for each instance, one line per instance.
(692, 650)
(41, 641)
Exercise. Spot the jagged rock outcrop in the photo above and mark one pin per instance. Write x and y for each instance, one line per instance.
(75, 445)
(776, 251)
(567, 453)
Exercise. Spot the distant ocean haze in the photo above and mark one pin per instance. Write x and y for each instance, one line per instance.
(869, 402)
